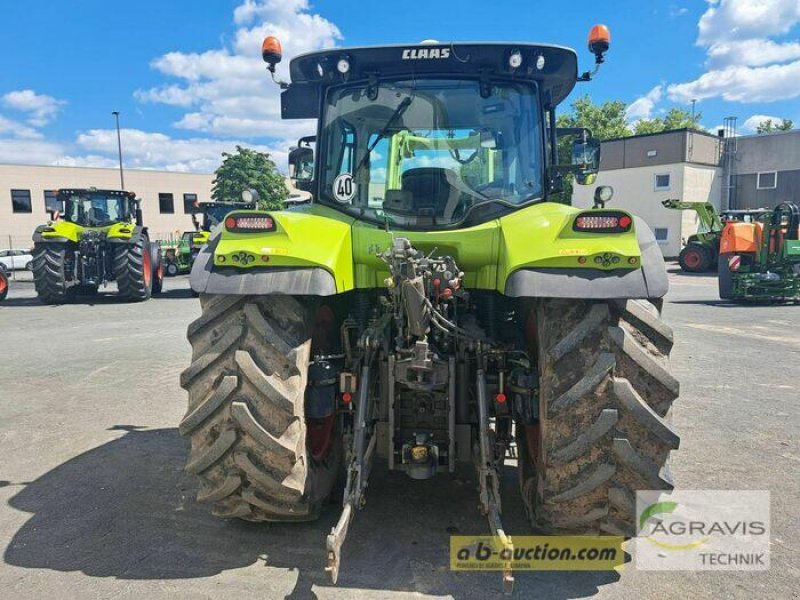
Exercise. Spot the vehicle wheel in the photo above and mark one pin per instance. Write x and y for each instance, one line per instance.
(158, 267)
(246, 422)
(724, 277)
(133, 270)
(695, 258)
(605, 392)
(171, 269)
(3, 285)
(48, 273)
(29, 266)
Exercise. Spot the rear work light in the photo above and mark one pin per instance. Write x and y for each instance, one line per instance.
(602, 222)
(249, 223)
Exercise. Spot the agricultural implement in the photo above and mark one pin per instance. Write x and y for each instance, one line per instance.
(760, 261)
(178, 255)
(701, 251)
(432, 306)
(97, 237)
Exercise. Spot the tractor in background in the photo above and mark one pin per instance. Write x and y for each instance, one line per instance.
(96, 237)
(759, 261)
(702, 248)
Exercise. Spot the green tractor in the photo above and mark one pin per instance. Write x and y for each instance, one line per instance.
(760, 261)
(701, 249)
(433, 306)
(95, 238)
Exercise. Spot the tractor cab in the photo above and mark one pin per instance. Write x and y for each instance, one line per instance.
(435, 136)
(98, 208)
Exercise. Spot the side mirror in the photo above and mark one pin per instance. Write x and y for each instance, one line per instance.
(301, 167)
(586, 160)
(603, 194)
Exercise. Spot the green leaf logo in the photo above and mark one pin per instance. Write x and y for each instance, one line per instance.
(656, 509)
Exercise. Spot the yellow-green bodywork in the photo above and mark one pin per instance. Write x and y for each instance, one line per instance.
(61, 230)
(538, 236)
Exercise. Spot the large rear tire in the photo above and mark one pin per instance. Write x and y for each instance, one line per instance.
(605, 392)
(48, 273)
(133, 270)
(246, 385)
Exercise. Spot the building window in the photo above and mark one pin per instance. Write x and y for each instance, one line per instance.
(662, 182)
(21, 201)
(166, 204)
(662, 234)
(51, 201)
(767, 180)
(190, 204)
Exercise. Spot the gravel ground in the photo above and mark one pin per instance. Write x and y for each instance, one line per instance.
(95, 503)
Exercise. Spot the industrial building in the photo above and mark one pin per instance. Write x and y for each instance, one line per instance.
(728, 170)
(27, 191)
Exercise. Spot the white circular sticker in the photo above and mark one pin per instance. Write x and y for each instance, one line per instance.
(344, 188)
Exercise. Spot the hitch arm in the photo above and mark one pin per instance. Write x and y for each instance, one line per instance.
(489, 478)
(357, 473)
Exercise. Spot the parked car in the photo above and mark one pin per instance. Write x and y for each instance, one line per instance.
(16, 259)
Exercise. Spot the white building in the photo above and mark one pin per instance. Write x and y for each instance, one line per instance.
(166, 196)
(645, 170)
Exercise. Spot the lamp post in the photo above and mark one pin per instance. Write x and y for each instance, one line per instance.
(119, 149)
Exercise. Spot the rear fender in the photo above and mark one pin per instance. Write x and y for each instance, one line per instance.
(125, 233)
(649, 280)
(305, 254)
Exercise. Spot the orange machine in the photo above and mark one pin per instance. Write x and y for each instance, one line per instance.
(741, 237)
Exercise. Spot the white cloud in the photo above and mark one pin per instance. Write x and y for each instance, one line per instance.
(9, 127)
(227, 90)
(744, 63)
(642, 108)
(28, 151)
(41, 108)
(742, 84)
(677, 11)
(747, 19)
(150, 150)
(751, 53)
(753, 122)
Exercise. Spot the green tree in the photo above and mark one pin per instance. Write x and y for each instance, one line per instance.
(676, 118)
(249, 170)
(606, 121)
(768, 126)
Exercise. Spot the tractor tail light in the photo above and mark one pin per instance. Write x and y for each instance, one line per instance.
(603, 222)
(249, 223)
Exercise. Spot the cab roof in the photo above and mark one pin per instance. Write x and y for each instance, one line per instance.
(554, 68)
(75, 191)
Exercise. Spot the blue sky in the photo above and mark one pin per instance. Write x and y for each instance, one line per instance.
(188, 79)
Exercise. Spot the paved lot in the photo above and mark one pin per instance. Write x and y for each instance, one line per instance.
(94, 504)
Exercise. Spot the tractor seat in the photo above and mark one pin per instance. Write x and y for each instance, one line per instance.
(434, 191)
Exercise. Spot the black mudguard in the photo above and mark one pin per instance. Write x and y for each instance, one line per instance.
(294, 281)
(649, 281)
